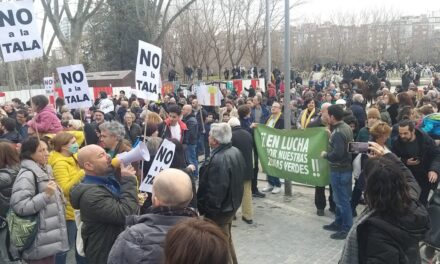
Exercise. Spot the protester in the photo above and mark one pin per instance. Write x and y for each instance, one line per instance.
(104, 203)
(394, 222)
(358, 110)
(275, 120)
(22, 118)
(142, 241)
(91, 130)
(8, 130)
(190, 138)
(242, 140)
(221, 181)
(308, 115)
(174, 127)
(195, 241)
(380, 133)
(200, 114)
(420, 154)
(340, 172)
(67, 173)
(112, 140)
(392, 106)
(132, 130)
(373, 116)
(229, 109)
(106, 105)
(323, 121)
(46, 120)
(9, 167)
(35, 192)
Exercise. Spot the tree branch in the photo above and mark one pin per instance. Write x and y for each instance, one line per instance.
(170, 22)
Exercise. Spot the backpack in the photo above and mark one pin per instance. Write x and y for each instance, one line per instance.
(22, 229)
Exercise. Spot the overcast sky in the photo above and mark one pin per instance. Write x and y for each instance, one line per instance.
(324, 9)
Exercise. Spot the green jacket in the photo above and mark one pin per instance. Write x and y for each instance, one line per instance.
(338, 156)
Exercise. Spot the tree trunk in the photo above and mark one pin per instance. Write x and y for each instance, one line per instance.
(11, 77)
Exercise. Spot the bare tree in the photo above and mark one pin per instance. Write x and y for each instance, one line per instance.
(214, 21)
(85, 9)
(155, 16)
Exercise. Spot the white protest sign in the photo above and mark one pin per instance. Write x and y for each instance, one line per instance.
(162, 160)
(208, 95)
(148, 71)
(19, 35)
(49, 85)
(75, 87)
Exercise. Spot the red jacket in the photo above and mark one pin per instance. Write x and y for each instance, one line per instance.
(271, 92)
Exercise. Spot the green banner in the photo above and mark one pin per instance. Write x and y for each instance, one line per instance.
(294, 154)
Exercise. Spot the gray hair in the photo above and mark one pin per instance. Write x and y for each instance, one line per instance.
(234, 122)
(144, 114)
(114, 128)
(325, 105)
(221, 132)
(358, 98)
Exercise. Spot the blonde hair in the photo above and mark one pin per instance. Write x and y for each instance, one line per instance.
(154, 118)
(60, 140)
(373, 113)
(380, 129)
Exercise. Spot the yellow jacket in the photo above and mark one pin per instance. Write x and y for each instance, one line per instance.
(67, 173)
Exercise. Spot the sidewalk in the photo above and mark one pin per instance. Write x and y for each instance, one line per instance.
(286, 231)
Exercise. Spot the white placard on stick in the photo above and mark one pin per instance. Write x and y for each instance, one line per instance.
(75, 88)
(162, 160)
(49, 85)
(208, 95)
(19, 35)
(148, 71)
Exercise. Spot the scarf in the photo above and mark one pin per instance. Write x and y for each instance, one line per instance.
(164, 210)
(273, 120)
(350, 252)
(305, 120)
(109, 182)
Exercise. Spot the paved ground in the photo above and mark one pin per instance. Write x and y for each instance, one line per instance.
(286, 231)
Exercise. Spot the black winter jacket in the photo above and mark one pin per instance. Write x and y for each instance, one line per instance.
(13, 137)
(103, 215)
(190, 137)
(338, 156)
(221, 183)
(430, 159)
(242, 140)
(393, 241)
(387, 241)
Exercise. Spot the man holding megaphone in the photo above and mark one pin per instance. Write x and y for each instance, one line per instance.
(103, 201)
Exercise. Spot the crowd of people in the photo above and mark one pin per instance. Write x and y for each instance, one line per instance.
(60, 166)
